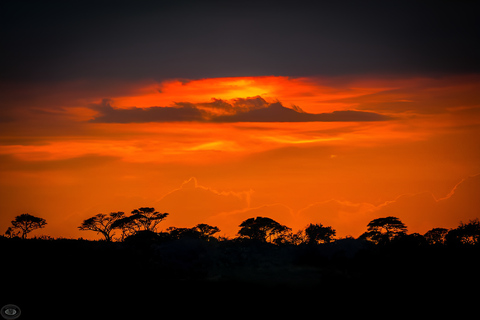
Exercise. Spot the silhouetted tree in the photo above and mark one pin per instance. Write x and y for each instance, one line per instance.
(316, 233)
(102, 223)
(466, 233)
(127, 225)
(206, 231)
(144, 218)
(26, 223)
(200, 231)
(436, 235)
(148, 218)
(382, 230)
(262, 229)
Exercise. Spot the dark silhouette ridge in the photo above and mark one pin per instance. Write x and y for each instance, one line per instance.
(189, 269)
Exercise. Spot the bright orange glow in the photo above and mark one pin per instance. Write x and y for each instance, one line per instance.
(420, 163)
(310, 93)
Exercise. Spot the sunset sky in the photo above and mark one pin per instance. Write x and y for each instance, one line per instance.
(216, 112)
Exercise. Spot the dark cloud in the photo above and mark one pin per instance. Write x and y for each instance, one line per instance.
(235, 106)
(108, 114)
(254, 109)
(276, 112)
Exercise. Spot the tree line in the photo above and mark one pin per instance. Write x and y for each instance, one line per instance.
(143, 223)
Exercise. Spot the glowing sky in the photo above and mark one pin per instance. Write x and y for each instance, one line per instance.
(68, 162)
(215, 113)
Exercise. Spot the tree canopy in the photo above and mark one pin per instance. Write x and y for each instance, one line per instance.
(436, 235)
(262, 229)
(383, 230)
(141, 219)
(316, 233)
(102, 223)
(200, 231)
(466, 233)
(25, 223)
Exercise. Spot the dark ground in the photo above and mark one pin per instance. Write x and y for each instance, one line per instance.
(50, 279)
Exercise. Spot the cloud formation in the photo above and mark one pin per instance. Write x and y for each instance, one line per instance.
(420, 211)
(255, 109)
(193, 203)
(109, 114)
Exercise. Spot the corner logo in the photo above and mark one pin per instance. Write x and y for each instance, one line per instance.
(10, 311)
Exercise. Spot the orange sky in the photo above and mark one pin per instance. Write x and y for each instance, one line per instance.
(66, 156)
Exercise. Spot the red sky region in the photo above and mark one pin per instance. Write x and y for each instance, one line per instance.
(338, 151)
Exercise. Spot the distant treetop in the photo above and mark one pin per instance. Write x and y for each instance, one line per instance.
(25, 223)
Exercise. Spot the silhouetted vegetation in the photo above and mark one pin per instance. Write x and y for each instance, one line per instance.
(101, 223)
(262, 229)
(317, 233)
(200, 231)
(24, 224)
(267, 257)
(436, 235)
(142, 219)
(466, 233)
(384, 230)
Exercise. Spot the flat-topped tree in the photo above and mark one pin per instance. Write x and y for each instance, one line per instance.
(141, 219)
(102, 223)
(147, 218)
(382, 230)
(26, 223)
(206, 231)
(262, 229)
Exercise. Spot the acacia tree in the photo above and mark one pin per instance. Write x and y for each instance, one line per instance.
(382, 230)
(262, 229)
(142, 219)
(102, 223)
(148, 218)
(26, 223)
(206, 231)
(316, 233)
